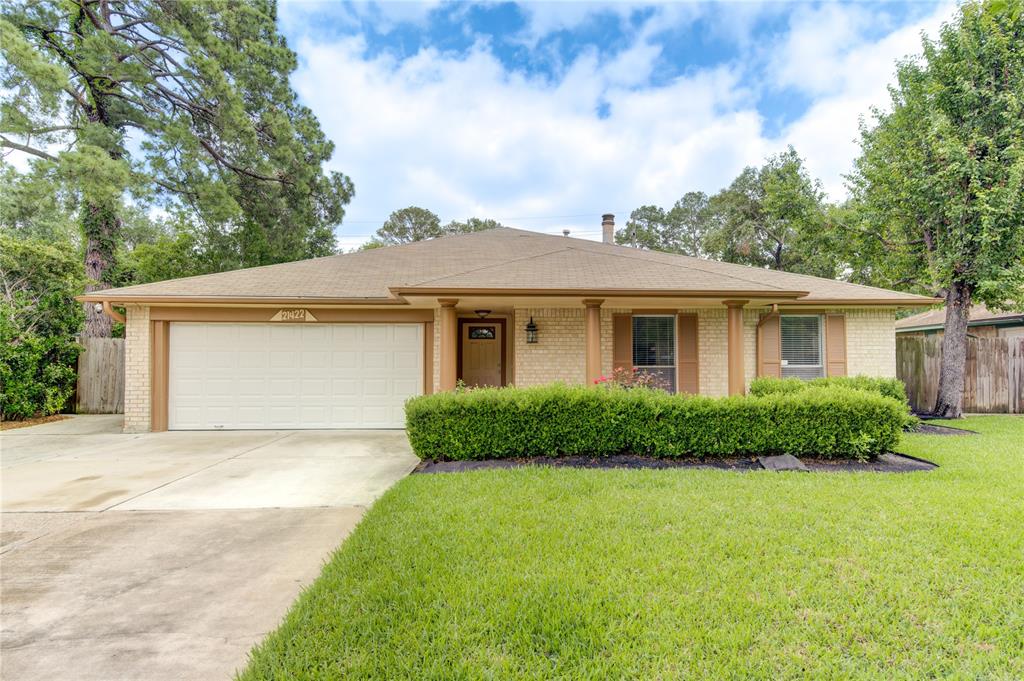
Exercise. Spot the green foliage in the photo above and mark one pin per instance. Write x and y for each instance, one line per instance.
(407, 225)
(888, 387)
(38, 322)
(558, 420)
(938, 191)
(203, 88)
(33, 205)
(773, 216)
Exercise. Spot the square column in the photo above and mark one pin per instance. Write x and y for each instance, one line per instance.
(737, 379)
(592, 334)
(449, 343)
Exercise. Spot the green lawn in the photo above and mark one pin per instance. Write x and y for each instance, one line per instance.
(543, 573)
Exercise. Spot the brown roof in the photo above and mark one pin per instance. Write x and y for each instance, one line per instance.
(501, 260)
(979, 315)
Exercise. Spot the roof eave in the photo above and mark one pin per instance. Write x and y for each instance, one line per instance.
(117, 299)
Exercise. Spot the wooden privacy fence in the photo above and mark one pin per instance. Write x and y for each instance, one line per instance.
(101, 377)
(993, 376)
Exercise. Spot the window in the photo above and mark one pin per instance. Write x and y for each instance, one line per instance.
(654, 347)
(481, 333)
(802, 346)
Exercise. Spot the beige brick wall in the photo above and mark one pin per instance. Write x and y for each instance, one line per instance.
(560, 353)
(871, 342)
(136, 369)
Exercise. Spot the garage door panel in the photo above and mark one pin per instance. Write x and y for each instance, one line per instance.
(292, 375)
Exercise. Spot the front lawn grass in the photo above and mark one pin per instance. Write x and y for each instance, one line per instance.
(561, 573)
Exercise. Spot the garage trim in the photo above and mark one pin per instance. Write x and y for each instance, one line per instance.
(159, 334)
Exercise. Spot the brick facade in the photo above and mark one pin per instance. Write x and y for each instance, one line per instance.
(559, 354)
(136, 369)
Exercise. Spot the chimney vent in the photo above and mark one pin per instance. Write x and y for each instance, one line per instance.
(565, 232)
(608, 228)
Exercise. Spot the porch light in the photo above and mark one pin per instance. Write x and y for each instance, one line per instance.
(482, 314)
(531, 331)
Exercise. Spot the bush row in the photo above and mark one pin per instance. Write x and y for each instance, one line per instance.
(888, 387)
(559, 420)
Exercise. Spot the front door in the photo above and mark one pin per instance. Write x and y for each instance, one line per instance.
(481, 345)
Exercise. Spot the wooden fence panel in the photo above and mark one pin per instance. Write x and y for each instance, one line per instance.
(101, 377)
(993, 378)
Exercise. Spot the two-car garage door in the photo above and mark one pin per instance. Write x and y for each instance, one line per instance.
(242, 376)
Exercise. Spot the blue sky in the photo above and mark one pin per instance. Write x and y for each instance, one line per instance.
(545, 115)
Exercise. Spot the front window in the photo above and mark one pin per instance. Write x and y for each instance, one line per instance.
(654, 348)
(802, 347)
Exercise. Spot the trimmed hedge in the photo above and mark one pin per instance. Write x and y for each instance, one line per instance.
(888, 387)
(560, 420)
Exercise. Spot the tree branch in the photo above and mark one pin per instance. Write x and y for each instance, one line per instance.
(10, 144)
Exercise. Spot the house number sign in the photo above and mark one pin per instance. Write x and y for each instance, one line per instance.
(296, 315)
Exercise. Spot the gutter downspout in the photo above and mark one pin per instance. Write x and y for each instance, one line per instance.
(112, 313)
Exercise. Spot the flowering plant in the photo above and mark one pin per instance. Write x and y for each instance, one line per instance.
(631, 378)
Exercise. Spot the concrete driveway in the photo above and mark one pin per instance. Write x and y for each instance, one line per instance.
(168, 555)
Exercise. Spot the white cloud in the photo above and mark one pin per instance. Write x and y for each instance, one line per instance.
(464, 136)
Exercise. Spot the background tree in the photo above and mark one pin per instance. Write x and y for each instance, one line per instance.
(187, 105)
(939, 185)
(772, 216)
(38, 322)
(680, 229)
(407, 225)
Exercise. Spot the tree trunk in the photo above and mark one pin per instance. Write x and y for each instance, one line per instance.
(101, 226)
(950, 399)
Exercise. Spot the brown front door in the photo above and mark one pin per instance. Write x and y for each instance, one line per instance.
(481, 346)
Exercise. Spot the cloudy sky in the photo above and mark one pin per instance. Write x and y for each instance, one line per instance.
(546, 115)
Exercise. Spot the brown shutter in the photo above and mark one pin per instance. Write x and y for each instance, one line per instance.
(622, 341)
(686, 354)
(769, 346)
(835, 344)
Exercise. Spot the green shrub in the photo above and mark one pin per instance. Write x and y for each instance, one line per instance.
(889, 387)
(38, 322)
(559, 420)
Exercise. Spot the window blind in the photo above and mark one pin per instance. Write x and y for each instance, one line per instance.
(801, 346)
(654, 348)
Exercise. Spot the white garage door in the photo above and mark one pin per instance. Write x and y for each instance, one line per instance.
(239, 376)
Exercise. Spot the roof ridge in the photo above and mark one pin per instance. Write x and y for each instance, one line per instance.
(486, 267)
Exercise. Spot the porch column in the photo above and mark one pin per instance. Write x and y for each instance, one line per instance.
(449, 343)
(592, 334)
(737, 380)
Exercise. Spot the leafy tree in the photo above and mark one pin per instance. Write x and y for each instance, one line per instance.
(939, 185)
(470, 225)
(32, 206)
(678, 230)
(772, 216)
(38, 322)
(417, 224)
(183, 104)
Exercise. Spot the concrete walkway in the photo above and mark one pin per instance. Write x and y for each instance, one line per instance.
(168, 555)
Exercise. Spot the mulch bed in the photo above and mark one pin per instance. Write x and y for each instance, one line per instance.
(11, 425)
(886, 463)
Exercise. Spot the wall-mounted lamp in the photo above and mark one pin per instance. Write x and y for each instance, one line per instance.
(531, 331)
(482, 314)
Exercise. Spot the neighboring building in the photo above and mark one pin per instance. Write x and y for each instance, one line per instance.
(982, 324)
(343, 341)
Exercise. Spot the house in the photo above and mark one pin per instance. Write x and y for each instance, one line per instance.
(982, 324)
(342, 341)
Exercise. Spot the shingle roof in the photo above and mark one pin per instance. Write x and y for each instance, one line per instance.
(500, 259)
(979, 315)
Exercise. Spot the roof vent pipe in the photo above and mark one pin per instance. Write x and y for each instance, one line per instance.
(565, 232)
(608, 228)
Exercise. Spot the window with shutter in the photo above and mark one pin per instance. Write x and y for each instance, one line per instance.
(802, 347)
(654, 347)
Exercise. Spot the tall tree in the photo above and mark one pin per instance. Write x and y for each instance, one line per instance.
(186, 104)
(772, 216)
(407, 225)
(681, 229)
(940, 181)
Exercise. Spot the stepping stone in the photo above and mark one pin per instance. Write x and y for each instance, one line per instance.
(783, 462)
